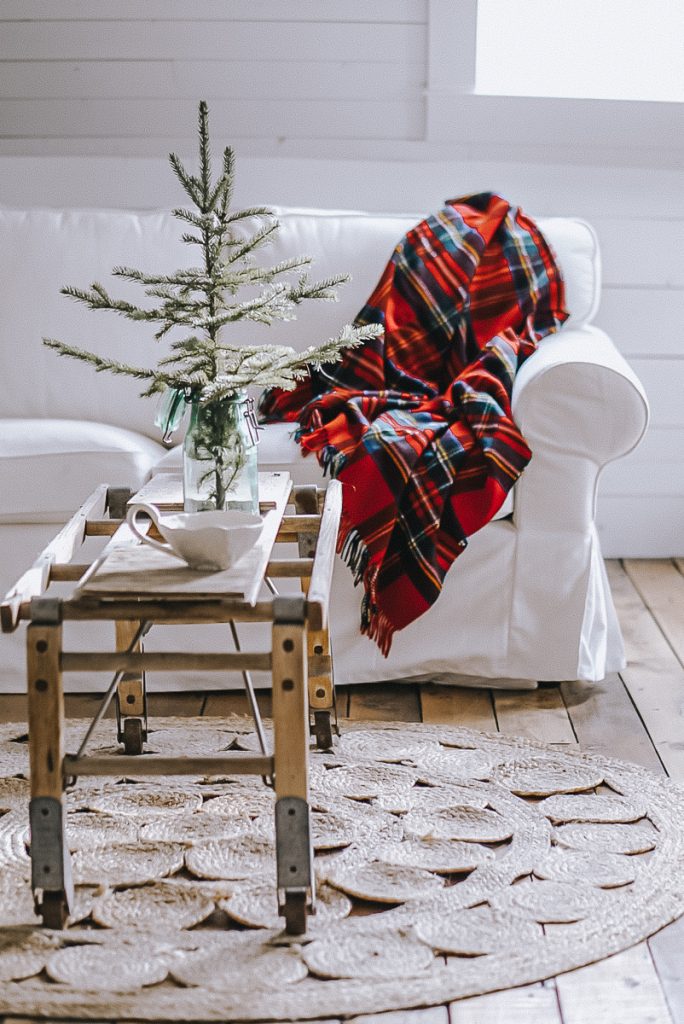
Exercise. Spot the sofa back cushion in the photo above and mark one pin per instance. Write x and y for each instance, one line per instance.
(41, 250)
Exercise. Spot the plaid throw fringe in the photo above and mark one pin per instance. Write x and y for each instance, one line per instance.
(417, 424)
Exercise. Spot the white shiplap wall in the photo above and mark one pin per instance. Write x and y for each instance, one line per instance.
(325, 104)
(92, 76)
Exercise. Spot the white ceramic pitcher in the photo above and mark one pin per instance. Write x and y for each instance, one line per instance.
(205, 540)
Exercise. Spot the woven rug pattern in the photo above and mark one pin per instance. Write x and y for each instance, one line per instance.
(449, 863)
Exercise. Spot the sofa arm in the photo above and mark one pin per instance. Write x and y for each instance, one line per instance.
(579, 406)
(577, 393)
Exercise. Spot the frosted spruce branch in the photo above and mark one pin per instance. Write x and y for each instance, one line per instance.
(204, 300)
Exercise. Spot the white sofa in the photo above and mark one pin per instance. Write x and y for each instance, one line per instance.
(528, 599)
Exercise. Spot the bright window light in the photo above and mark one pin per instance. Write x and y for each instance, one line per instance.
(590, 49)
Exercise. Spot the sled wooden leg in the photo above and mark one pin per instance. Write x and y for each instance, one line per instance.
(50, 860)
(321, 693)
(131, 700)
(321, 687)
(291, 755)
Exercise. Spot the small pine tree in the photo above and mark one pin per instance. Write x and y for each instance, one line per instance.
(204, 300)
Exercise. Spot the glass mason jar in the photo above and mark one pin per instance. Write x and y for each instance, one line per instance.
(220, 458)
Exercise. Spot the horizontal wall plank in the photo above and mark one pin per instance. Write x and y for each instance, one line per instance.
(648, 130)
(235, 10)
(209, 40)
(662, 381)
(414, 175)
(655, 467)
(546, 180)
(641, 527)
(644, 322)
(386, 119)
(640, 251)
(183, 79)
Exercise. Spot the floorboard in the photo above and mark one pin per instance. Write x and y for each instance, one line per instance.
(623, 989)
(536, 714)
(667, 950)
(532, 1004)
(654, 676)
(428, 1015)
(84, 705)
(660, 585)
(606, 721)
(385, 702)
(234, 703)
(458, 705)
(181, 704)
(636, 716)
(13, 707)
(342, 700)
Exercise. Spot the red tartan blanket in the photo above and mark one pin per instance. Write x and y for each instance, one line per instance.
(417, 424)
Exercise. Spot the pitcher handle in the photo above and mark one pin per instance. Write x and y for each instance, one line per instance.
(152, 512)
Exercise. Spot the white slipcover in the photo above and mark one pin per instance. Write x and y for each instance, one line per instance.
(527, 600)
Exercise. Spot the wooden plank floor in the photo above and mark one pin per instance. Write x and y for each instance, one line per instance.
(637, 715)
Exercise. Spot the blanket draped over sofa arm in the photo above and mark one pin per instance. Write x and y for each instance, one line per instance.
(417, 424)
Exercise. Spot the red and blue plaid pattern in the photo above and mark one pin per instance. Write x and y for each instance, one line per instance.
(417, 424)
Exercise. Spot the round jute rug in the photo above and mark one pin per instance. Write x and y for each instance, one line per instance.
(449, 863)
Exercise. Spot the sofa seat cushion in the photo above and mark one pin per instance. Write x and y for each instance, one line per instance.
(278, 451)
(49, 467)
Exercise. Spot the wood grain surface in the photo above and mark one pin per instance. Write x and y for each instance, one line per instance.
(636, 715)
